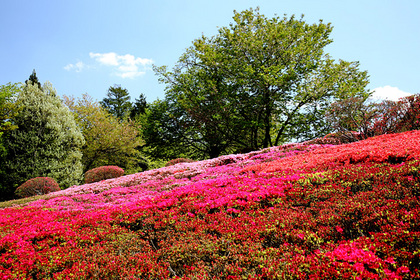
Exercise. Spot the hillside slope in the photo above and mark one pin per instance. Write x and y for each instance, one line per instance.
(291, 212)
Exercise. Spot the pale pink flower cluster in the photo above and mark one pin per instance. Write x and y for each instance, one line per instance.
(144, 186)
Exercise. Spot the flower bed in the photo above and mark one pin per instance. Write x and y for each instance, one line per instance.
(289, 212)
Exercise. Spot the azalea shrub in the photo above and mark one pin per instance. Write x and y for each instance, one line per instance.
(103, 173)
(178, 160)
(297, 211)
(37, 186)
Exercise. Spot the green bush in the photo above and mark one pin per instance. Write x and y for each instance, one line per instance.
(178, 160)
(103, 173)
(37, 186)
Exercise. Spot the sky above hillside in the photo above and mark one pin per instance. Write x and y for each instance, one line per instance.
(87, 46)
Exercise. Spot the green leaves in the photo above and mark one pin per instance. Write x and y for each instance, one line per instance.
(109, 140)
(258, 83)
(8, 106)
(46, 142)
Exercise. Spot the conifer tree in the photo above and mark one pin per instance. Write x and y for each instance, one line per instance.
(118, 102)
(47, 142)
(34, 79)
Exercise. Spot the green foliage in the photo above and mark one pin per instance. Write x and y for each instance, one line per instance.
(257, 83)
(109, 141)
(118, 102)
(8, 105)
(46, 143)
(37, 186)
(103, 173)
(139, 107)
(8, 109)
(161, 131)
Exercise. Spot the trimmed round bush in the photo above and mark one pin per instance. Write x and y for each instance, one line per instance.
(37, 186)
(103, 173)
(178, 160)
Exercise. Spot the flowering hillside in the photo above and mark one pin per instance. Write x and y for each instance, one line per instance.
(297, 211)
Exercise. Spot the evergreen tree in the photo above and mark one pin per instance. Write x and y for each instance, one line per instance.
(34, 79)
(118, 102)
(47, 141)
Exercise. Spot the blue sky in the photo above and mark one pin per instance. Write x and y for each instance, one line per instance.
(86, 46)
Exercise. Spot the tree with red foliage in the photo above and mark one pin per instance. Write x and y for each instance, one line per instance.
(410, 105)
(350, 115)
(371, 119)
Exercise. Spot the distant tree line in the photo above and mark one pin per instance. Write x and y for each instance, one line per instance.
(259, 82)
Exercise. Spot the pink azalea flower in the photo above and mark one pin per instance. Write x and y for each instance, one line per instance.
(339, 229)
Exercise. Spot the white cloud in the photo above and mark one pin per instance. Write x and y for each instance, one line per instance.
(109, 59)
(389, 93)
(78, 67)
(125, 66)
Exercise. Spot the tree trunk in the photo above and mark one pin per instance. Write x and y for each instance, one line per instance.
(267, 115)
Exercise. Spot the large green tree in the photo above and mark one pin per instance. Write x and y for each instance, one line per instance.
(257, 83)
(118, 101)
(46, 142)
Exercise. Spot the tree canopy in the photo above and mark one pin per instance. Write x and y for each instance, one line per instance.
(257, 83)
(109, 140)
(8, 106)
(46, 142)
